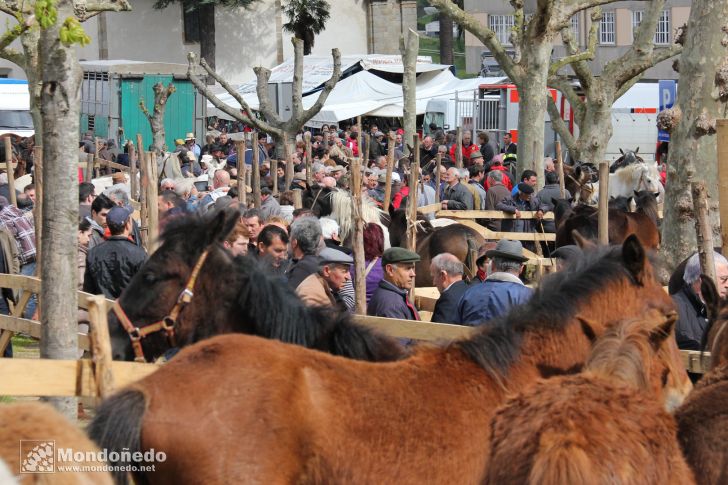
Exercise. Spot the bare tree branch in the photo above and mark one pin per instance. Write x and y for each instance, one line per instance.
(519, 28)
(559, 125)
(262, 76)
(484, 34)
(328, 87)
(576, 57)
(563, 84)
(297, 102)
(16, 31)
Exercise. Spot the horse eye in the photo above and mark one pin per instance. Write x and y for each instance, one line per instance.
(150, 278)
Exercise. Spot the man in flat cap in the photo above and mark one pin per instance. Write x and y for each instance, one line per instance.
(501, 290)
(390, 299)
(320, 288)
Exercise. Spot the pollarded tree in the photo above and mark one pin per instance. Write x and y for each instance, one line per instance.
(593, 112)
(529, 69)
(205, 10)
(156, 117)
(306, 19)
(702, 98)
(282, 131)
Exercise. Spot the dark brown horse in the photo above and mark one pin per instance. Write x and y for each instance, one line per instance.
(585, 220)
(229, 295)
(606, 425)
(456, 239)
(275, 413)
(703, 418)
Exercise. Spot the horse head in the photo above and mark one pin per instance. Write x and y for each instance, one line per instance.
(154, 292)
(642, 353)
(628, 158)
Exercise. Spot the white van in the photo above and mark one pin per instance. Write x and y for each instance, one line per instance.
(15, 115)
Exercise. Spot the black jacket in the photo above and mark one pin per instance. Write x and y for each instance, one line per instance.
(111, 265)
(446, 308)
(693, 318)
(302, 269)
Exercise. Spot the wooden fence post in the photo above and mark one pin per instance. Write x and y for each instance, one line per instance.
(358, 140)
(604, 203)
(274, 175)
(703, 230)
(255, 178)
(412, 197)
(722, 140)
(143, 207)
(152, 202)
(9, 171)
(388, 185)
(240, 154)
(100, 346)
(560, 169)
(133, 182)
(459, 148)
(297, 199)
(309, 160)
(358, 239)
(367, 142)
(437, 177)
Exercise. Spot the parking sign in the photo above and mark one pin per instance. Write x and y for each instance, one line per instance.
(668, 91)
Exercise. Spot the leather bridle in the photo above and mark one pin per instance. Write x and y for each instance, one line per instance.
(167, 323)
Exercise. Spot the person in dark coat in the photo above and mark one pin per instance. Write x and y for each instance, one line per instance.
(501, 290)
(549, 195)
(497, 191)
(447, 274)
(524, 200)
(306, 242)
(692, 313)
(111, 265)
(390, 299)
(457, 196)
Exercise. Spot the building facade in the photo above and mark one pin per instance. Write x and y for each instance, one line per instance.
(615, 32)
(244, 38)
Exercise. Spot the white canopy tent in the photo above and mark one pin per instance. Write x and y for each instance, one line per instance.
(362, 92)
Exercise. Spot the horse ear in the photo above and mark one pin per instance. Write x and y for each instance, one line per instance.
(581, 241)
(621, 151)
(636, 194)
(222, 223)
(588, 328)
(710, 295)
(637, 150)
(633, 257)
(661, 332)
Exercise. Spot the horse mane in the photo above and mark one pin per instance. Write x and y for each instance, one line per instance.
(496, 347)
(646, 203)
(623, 353)
(342, 212)
(268, 304)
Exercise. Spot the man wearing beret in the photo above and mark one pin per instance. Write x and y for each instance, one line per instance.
(320, 288)
(390, 299)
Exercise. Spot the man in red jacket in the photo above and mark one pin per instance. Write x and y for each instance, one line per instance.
(468, 148)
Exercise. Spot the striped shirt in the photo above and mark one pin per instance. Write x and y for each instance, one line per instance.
(22, 229)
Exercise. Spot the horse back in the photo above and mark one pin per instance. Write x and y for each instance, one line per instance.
(702, 423)
(562, 431)
(303, 414)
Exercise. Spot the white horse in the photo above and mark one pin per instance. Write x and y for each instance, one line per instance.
(342, 213)
(625, 181)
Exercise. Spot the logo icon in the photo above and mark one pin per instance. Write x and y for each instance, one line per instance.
(37, 456)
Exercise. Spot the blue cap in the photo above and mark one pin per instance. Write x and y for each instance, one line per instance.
(117, 216)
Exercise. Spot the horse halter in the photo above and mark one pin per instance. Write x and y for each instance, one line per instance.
(167, 323)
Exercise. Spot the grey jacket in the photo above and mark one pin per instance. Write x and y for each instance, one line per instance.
(458, 197)
(548, 197)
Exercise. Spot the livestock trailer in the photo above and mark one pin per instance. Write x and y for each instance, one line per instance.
(111, 92)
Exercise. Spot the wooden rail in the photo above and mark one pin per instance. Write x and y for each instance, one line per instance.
(450, 214)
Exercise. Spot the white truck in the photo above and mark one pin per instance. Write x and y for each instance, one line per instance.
(15, 115)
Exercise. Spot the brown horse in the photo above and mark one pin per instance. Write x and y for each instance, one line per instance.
(703, 418)
(604, 425)
(456, 239)
(275, 413)
(37, 425)
(228, 295)
(584, 219)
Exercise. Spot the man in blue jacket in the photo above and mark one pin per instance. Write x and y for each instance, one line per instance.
(501, 290)
(390, 298)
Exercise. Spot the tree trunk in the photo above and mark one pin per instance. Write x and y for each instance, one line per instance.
(446, 46)
(156, 118)
(60, 104)
(206, 13)
(532, 108)
(596, 130)
(693, 154)
(409, 49)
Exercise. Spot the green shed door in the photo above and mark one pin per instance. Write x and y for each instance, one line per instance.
(179, 117)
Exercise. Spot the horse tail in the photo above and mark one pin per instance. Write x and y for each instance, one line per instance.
(117, 427)
(561, 459)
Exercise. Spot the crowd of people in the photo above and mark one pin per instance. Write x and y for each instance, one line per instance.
(303, 246)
